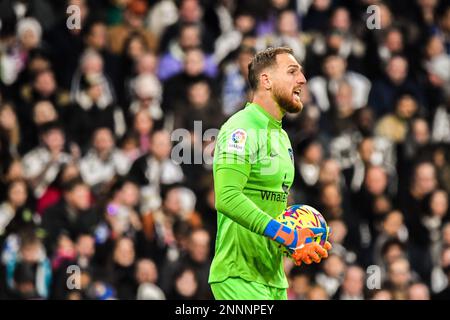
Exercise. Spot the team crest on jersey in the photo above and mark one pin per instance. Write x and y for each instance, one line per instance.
(291, 154)
(237, 140)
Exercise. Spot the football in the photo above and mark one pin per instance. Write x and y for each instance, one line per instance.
(304, 216)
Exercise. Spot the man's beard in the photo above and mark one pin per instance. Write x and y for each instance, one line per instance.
(285, 100)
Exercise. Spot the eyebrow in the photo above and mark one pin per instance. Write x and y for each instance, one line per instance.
(295, 66)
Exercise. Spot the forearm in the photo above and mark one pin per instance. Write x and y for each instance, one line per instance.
(231, 201)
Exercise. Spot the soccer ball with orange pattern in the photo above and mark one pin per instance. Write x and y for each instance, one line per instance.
(304, 216)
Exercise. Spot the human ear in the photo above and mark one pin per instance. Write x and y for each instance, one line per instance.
(265, 81)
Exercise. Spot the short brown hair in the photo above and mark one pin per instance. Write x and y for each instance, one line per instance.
(262, 60)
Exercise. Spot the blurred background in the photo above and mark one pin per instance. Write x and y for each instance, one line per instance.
(90, 96)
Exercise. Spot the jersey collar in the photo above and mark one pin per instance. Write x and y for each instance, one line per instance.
(274, 122)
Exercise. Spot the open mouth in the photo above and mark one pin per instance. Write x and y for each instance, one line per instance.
(297, 93)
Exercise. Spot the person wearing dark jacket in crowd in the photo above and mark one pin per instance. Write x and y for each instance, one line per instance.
(395, 82)
(121, 272)
(197, 258)
(414, 205)
(73, 214)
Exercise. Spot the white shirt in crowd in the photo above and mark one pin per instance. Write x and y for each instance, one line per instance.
(36, 161)
(95, 171)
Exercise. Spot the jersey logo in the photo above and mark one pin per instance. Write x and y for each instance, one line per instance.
(237, 140)
(291, 154)
(273, 196)
(284, 185)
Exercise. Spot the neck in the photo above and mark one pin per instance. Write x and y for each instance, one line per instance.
(104, 154)
(13, 206)
(267, 103)
(417, 194)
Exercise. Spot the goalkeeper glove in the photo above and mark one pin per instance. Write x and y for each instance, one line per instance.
(299, 242)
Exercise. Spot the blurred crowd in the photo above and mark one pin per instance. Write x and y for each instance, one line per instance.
(93, 205)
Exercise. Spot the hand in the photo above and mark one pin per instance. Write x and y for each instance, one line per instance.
(299, 242)
(311, 252)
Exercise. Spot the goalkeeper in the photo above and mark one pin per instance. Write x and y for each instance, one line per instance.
(253, 171)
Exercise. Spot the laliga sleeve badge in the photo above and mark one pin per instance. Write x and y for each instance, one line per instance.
(236, 142)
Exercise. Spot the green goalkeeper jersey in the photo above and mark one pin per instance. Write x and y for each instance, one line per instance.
(253, 172)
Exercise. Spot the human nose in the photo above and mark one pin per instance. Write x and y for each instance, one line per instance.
(301, 79)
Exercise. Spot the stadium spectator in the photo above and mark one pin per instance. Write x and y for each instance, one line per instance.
(142, 131)
(382, 294)
(43, 87)
(399, 278)
(155, 169)
(286, 34)
(146, 271)
(230, 40)
(335, 71)
(28, 270)
(147, 95)
(235, 87)
(120, 274)
(29, 35)
(189, 12)
(94, 101)
(395, 125)
(392, 227)
(418, 291)
(95, 37)
(310, 154)
(317, 293)
(66, 44)
(413, 203)
(196, 257)
(300, 284)
(392, 250)
(42, 164)
(72, 215)
(120, 211)
(439, 279)
(396, 81)
(441, 122)
(15, 212)
(171, 62)
(54, 192)
(373, 200)
(342, 246)
(103, 161)
(185, 286)
(331, 277)
(352, 287)
(317, 16)
(10, 133)
(194, 69)
(199, 106)
(133, 22)
(444, 294)
(435, 217)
